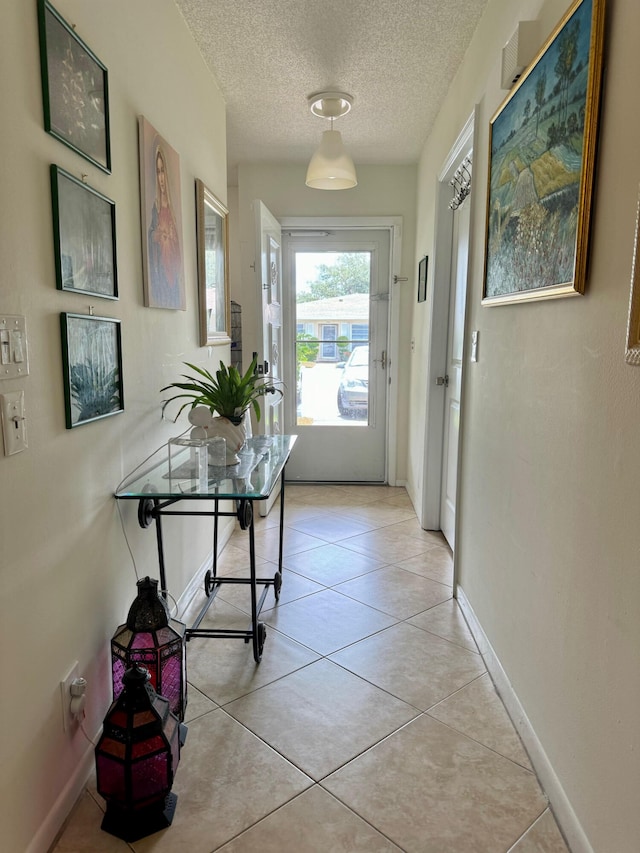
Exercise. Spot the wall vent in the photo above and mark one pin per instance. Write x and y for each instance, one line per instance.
(519, 51)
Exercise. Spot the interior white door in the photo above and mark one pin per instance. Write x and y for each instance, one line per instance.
(337, 305)
(453, 376)
(269, 284)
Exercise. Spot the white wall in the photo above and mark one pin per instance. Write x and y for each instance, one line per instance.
(549, 500)
(381, 191)
(66, 578)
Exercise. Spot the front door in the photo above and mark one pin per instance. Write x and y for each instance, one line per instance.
(453, 377)
(269, 282)
(336, 355)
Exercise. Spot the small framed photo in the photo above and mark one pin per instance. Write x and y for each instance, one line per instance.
(161, 213)
(84, 237)
(92, 368)
(75, 89)
(423, 268)
(213, 275)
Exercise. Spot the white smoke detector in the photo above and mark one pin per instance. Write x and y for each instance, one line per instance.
(519, 51)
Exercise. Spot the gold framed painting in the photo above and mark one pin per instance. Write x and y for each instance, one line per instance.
(542, 150)
(212, 231)
(632, 354)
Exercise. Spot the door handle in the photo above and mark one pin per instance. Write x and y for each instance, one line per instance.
(382, 360)
(261, 369)
(443, 380)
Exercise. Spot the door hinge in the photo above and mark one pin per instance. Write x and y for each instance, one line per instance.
(443, 380)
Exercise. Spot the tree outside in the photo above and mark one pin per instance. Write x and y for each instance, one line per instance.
(350, 274)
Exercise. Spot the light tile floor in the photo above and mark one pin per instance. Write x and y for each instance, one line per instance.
(371, 723)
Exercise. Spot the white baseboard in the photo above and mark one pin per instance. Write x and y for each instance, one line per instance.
(562, 809)
(50, 828)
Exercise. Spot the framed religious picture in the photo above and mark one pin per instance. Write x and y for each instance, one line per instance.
(161, 215)
(542, 152)
(75, 89)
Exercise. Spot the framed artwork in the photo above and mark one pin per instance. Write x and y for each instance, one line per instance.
(75, 89)
(212, 229)
(632, 354)
(541, 167)
(84, 237)
(161, 214)
(92, 365)
(422, 278)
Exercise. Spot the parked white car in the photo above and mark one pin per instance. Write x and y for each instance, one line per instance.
(353, 391)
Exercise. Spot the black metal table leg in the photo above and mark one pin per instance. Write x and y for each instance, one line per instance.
(258, 630)
(149, 511)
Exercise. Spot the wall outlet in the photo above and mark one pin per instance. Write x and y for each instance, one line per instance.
(69, 720)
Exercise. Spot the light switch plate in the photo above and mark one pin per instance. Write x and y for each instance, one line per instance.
(14, 428)
(14, 357)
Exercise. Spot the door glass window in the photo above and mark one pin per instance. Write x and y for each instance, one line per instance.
(332, 300)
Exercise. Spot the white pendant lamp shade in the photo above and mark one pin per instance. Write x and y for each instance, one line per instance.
(331, 168)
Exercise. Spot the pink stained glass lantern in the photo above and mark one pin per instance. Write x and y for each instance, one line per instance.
(150, 638)
(136, 759)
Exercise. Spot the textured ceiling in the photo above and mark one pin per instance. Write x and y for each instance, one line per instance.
(395, 57)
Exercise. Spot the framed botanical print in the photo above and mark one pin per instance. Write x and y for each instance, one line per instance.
(92, 368)
(213, 274)
(541, 167)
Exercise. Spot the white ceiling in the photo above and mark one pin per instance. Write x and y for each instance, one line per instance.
(395, 57)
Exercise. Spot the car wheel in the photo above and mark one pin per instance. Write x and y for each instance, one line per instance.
(341, 407)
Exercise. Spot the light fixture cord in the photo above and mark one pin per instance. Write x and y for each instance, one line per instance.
(122, 524)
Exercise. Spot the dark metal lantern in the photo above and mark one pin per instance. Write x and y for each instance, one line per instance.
(152, 639)
(136, 759)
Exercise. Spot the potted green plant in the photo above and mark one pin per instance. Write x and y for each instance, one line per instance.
(227, 394)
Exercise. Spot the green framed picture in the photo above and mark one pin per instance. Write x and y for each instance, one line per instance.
(75, 89)
(92, 368)
(84, 237)
(542, 152)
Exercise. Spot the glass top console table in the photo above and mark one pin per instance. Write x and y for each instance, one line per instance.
(161, 491)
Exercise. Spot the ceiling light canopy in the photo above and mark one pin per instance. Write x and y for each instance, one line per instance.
(331, 167)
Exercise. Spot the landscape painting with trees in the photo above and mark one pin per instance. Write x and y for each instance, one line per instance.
(542, 150)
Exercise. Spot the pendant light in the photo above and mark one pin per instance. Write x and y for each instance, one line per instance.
(331, 167)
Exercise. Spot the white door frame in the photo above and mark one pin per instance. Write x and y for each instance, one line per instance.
(393, 224)
(439, 324)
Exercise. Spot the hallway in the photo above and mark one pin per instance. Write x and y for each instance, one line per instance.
(371, 723)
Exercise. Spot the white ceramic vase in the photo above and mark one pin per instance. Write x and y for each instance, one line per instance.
(207, 425)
